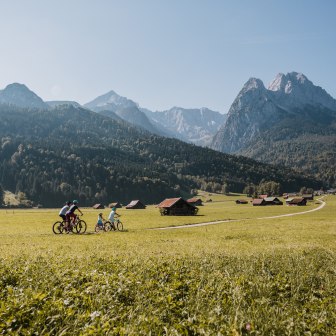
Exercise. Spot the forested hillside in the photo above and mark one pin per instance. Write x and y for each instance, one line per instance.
(69, 152)
(306, 141)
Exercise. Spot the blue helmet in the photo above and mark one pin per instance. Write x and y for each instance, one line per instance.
(74, 201)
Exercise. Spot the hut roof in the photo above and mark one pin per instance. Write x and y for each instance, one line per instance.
(98, 206)
(258, 201)
(135, 203)
(271, 199)
(296, 200)
(170, 202)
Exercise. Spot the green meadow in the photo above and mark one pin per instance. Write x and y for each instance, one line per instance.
(251, 275)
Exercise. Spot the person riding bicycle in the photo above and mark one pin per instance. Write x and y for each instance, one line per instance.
(101, 220)
(112, 214)
(64, 210)
(71, 216)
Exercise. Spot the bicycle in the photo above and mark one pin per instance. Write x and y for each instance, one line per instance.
(79, 226)
(115, 225)
(104, 227)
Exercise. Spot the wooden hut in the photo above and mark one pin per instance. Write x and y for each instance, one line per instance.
(98, 206)
(195, 201)
(273, 201)
(136, 204)
(177, 207)
(241, 201)
(299, 201)
(115, 205)
(258, 202)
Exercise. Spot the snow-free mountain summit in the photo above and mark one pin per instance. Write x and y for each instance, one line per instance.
(292, 122)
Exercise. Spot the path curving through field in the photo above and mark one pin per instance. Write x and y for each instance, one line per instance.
(322, 205)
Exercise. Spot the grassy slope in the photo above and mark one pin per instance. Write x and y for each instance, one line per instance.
(270, 276)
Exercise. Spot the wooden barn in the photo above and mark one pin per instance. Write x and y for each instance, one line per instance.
(258, 202)
(136, 204)
(177, 207)
(98, 206)
(299, 201)
(115, 205)
(273, 201)
(241, 201)
(195, 201)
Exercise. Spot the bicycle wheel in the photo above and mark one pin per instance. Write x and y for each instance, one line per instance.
(81, 226)
(58, 227)
(111, 226)
(108, 226)
(97, 228)
(119, 225)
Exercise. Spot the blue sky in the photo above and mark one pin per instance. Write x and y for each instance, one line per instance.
(188, 53)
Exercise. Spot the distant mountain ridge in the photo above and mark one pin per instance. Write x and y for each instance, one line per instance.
(191, 125)
(279, 122)
(124, 108)
(196, 125)
(19, 95)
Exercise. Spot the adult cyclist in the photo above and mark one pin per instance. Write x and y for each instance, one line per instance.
(71, 216)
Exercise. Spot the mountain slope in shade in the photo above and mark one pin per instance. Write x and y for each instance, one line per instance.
(191, 125)
(124, 108)
(19, 95)
(292, 123)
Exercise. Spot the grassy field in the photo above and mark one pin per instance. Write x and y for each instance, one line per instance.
(249, 277)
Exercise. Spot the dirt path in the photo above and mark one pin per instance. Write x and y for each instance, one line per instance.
(322, 205)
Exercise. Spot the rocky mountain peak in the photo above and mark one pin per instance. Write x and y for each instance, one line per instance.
(253, 84)
(295, 90)
(19, 95)
(286, 83)
(112, 100)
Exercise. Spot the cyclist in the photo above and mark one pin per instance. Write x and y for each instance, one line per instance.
(64, 210)
(70, 215)
(100, 221)
(112, 214)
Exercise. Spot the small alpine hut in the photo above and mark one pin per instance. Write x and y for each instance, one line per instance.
(98, 206)
(258, 202)
(241, 201)
(177, 207)
(195, 201)
(273, 201)
(115, 205)
(299, 201)
(136, 204)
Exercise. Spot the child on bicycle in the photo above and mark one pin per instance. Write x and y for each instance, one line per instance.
(112, 214)
(101, 220)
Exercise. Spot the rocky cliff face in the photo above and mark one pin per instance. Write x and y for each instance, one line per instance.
(257, 109)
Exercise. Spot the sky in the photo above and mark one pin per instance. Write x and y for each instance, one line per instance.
(164, 53)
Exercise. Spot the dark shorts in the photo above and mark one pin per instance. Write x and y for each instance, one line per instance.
(63, 217)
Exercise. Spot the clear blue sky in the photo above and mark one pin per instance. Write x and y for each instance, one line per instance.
(164, 53)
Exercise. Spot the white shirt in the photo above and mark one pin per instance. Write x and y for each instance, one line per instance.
(64, 210)
(111, 215)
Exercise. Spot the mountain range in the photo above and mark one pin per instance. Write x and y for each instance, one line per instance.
(71, 152)
(291, 123)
